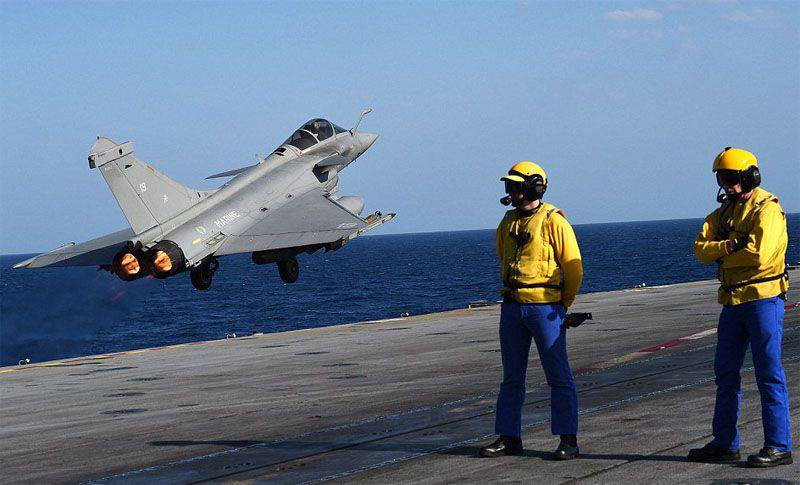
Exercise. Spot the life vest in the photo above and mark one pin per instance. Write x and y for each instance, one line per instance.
(530, 272)
(739, 284)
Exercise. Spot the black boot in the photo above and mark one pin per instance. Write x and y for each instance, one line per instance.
(769, 457)
(505, 445)
(712, 453)
(567, 448)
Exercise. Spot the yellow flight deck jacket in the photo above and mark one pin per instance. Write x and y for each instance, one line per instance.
(762, 222)
(539, 257)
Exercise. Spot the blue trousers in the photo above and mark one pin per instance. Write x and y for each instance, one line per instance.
(760, 324)
(542, 321)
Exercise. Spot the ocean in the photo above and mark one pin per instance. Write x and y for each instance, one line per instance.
(48, 314)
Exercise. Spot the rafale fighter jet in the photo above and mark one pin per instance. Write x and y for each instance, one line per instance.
(276, 209)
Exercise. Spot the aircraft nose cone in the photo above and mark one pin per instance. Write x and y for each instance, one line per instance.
(366, 140)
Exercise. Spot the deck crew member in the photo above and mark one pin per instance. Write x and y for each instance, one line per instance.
(541, 273)
(746, 237)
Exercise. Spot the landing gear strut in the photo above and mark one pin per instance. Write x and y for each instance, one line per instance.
(289, 270)
(201, 275)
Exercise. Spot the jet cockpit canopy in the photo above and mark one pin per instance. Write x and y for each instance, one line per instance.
(312, 133)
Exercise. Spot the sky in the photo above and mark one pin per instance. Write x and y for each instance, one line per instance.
(624, 104)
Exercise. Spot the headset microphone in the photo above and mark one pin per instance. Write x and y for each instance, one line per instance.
(506, 200)
(722, 197)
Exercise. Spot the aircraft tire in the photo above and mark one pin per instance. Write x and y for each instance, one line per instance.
(201, 277)
(289, 270)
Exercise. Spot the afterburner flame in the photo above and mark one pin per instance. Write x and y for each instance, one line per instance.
(162, 262)
(129, 264)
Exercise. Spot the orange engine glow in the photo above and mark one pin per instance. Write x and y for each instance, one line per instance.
(129, 265)
(162, 262)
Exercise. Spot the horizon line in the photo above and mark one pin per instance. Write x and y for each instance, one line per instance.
(480, 229)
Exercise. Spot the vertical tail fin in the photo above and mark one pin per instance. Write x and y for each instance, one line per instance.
(146, 196)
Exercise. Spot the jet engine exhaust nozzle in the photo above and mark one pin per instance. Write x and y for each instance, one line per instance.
(127, 265)
(166, 259)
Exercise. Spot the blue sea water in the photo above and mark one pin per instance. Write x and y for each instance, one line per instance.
(56, 313)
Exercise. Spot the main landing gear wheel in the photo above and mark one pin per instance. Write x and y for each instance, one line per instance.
(202, 275)
(289, 270)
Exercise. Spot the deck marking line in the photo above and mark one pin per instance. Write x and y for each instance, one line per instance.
(665, 345)
(383, 320)
(699, 335)
(680, 341)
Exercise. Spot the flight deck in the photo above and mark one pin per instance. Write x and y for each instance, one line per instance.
(407, 400)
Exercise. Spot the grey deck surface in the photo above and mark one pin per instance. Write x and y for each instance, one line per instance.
(407, 400)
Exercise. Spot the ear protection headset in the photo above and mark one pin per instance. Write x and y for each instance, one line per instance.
(751, 178)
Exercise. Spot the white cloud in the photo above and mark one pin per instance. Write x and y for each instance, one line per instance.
(635, 14)
(739, 17)
(636, 34)
(753, 15)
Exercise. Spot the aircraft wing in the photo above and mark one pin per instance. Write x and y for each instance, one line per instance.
(90, 253)
(310, 219)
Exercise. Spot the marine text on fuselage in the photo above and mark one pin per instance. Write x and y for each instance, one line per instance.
(229, 217)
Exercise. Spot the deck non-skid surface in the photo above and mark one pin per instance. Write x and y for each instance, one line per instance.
(407, 400)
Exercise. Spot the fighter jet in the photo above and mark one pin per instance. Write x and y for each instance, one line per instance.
(280, 207)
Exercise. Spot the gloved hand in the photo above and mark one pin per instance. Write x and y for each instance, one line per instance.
(573, 320)
(736, 244)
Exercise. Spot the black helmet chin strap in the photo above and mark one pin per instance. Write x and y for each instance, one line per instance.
(531, 195)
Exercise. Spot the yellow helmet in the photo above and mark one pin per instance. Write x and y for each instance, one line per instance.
(734, 159)
(524, 171)
(734, 165)
(526, 177)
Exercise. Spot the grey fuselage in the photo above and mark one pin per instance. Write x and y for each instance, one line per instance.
(286, 173)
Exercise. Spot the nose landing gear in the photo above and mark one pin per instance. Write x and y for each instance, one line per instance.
(289, 270)
(202, 274)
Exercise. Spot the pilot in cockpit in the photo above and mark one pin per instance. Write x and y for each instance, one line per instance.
(320, 128)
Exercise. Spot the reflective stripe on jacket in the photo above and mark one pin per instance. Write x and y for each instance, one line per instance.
(540, 261)
(762, 222)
